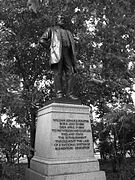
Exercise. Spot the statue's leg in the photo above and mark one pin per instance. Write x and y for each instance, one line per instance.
(70, 73)
(71, 81)
(57, 80)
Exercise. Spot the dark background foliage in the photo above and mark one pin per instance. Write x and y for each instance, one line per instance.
(105, 48)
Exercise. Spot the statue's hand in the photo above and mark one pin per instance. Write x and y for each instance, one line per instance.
(39, 47)
(33, 45)
(36, 46)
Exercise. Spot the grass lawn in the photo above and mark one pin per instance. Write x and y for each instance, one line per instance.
(129, 174)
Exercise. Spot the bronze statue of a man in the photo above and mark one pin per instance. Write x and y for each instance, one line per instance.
(62, 57)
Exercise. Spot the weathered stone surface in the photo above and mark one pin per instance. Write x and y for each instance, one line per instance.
(58, 127)
(64, 146)
(61, 168)
(97, 175)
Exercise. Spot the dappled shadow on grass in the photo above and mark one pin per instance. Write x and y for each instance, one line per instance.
(105, 165)
(13, 171)
(17, 172)
(127, 174)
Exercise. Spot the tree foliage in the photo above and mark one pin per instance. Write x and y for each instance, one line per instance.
(105, 52)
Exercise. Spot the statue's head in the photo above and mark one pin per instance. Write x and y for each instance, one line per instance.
(60, 21)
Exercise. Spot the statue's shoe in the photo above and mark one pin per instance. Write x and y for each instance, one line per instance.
(71, 96)
(59, 95)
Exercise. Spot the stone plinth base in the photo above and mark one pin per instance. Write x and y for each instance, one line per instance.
(97, 175)
(61, 168)
(64, 146)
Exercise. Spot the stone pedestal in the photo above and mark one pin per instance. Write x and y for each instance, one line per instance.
(63, 146)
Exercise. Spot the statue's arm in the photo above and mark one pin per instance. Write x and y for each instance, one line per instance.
(45, 37)
(43, 41)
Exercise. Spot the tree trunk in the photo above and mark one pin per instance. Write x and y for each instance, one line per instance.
(0, 169)
(33, 112)
(33, 128)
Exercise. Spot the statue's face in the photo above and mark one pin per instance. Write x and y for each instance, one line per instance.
(60, 20)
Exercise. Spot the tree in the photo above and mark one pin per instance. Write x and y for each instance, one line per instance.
(20, 82)
(121, 127)
(11, 138)
(105, 49)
